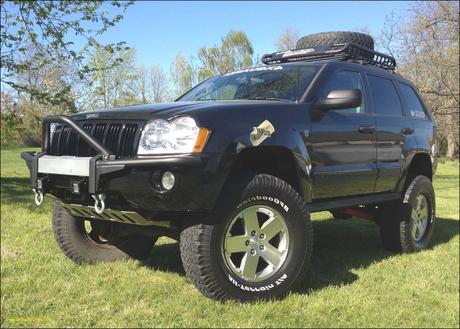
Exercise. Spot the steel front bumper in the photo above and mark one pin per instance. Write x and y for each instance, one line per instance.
(131, 179)
(127, 183)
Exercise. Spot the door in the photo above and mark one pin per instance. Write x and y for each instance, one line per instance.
(342, 144)
(395, 132)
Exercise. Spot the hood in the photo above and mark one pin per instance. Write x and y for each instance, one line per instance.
(169, 110)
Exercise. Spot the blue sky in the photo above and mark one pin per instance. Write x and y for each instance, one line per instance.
(159, 30)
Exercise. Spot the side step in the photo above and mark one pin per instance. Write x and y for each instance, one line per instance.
(322, 205)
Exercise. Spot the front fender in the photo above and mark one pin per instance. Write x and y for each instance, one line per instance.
(235, 139)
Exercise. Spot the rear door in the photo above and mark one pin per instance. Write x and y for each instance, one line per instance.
(424, 129)
(395, 133)
(342, 144)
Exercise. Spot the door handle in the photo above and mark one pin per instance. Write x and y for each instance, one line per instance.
(366, 129)
(407, 131)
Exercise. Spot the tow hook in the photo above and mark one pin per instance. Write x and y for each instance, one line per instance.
(99, 203)
(38, 196)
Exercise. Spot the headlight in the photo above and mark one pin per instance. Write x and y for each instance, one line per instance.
(181, 135)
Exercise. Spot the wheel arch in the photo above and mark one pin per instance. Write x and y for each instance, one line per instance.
(275, 160)
(420, 164)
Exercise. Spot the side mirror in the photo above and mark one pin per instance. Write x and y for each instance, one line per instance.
(340, 99)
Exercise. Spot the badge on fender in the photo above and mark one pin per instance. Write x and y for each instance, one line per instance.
(262, 132)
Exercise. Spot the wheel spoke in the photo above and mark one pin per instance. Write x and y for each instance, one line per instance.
(271, 255)
(424, 213)
(420, 228)
(271, 227)
(94, 235)
(235, 243)
(249, 265)
(414, 229)
(423, 203)
(251, 223)
(417, 205)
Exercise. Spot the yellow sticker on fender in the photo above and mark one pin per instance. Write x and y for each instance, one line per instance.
(262, 132)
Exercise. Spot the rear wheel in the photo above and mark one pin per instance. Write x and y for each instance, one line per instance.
(260, 247)
(92, 241)
(408, 225)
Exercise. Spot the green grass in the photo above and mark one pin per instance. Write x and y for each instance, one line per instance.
(354, 283)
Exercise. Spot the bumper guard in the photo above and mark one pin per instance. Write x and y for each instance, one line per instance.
(101, 164)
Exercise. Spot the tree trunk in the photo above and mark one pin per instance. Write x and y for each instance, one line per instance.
(451, 148)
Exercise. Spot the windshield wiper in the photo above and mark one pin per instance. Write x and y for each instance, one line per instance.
(261, 98)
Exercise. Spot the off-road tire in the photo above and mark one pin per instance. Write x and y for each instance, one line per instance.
(201, 245)
(332, 38)
(76, 245)
(395, 218)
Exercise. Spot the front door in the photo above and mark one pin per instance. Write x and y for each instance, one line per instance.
(342, 145)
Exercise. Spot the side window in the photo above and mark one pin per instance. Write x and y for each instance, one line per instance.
(386, 99)
(412, 101)
(346, 80)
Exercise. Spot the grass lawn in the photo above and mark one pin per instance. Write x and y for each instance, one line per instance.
(354, 283)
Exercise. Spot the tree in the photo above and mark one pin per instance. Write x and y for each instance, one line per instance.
(113, 85)
(50, 78)
(426, 45)
(158, 84)
(142, 83)
(287, 39)
(10, 117)
(51, 27)
(235, 53)
(182, 75)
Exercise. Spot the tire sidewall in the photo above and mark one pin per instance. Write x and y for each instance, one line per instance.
(286, 275)
(420, 186)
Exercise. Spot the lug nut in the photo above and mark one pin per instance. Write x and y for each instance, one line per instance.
(261, 247)
(262, 236)
(247, 242)
(253, 252)
(253, 233)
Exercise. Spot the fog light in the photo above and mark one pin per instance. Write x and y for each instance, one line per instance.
(168, 180)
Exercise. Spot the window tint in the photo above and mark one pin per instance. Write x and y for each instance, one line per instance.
(412, 101)
(346, 80)
(386, 99)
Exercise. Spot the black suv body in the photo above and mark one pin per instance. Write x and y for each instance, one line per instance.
(358, 140)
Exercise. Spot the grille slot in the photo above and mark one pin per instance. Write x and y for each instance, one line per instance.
(118, 137)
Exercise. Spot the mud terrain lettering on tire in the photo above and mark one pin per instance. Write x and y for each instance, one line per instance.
(264, 198)
(280, 280)
(257, 289)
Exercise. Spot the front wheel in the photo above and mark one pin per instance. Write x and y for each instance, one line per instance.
(259, 248)
(91, 241)
(408, 226)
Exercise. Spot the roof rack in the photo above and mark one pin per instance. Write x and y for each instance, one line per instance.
(340, 51)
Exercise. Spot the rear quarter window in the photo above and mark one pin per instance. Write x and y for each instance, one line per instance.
(385, 97)
(412, 101)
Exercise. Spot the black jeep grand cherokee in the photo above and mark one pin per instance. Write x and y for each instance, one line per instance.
(235, 166)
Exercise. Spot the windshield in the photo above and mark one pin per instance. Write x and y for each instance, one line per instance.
(277, 83)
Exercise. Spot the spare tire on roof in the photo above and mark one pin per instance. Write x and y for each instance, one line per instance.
(332, 38)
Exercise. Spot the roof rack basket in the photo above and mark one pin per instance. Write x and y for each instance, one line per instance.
(341, 51)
